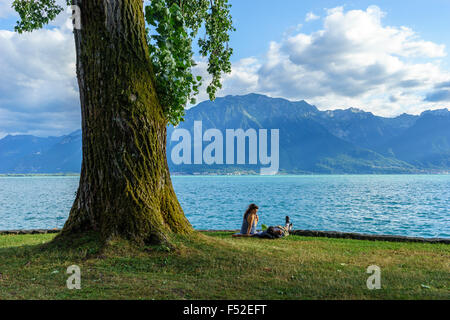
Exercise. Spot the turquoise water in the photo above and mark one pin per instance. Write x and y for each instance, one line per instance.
(411, 205)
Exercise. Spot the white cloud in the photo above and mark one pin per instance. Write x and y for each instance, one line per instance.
(353, 60)
(310, 16)
(243, 78)
(5, 8)
(38, 89)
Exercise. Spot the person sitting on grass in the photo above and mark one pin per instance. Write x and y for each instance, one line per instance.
(249, 223)
(270, 233)
(274, 232)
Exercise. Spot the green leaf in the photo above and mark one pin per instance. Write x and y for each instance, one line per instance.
(170, 46)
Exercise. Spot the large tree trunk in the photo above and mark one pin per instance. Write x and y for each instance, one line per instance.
(125, 187)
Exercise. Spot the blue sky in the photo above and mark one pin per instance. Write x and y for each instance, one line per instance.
(383, 56)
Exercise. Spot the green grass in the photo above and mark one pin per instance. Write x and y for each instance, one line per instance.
(215, 266)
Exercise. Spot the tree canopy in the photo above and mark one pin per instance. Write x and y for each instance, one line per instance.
(172, 27)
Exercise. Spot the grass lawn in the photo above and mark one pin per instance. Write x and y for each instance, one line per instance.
(215, 266)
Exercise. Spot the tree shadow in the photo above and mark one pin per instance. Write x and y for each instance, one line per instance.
(73, 247)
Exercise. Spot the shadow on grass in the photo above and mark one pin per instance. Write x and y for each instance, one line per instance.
(215, 266)
(90, 242)
(75, 247)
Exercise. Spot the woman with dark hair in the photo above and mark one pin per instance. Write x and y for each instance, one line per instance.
(250, 221)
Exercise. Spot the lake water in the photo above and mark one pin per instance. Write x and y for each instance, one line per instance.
(411, 205)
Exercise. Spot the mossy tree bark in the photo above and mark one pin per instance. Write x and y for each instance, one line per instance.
(125, 187)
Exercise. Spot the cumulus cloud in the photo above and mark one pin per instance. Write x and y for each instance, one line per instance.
(443, 85)
(5, 9)
(441, 92)
(437, 96)
(354, 60)
(38, 80)
(310, 16)
(38, 89)
(243, 78)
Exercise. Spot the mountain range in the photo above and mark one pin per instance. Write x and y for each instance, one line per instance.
(310, 140)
